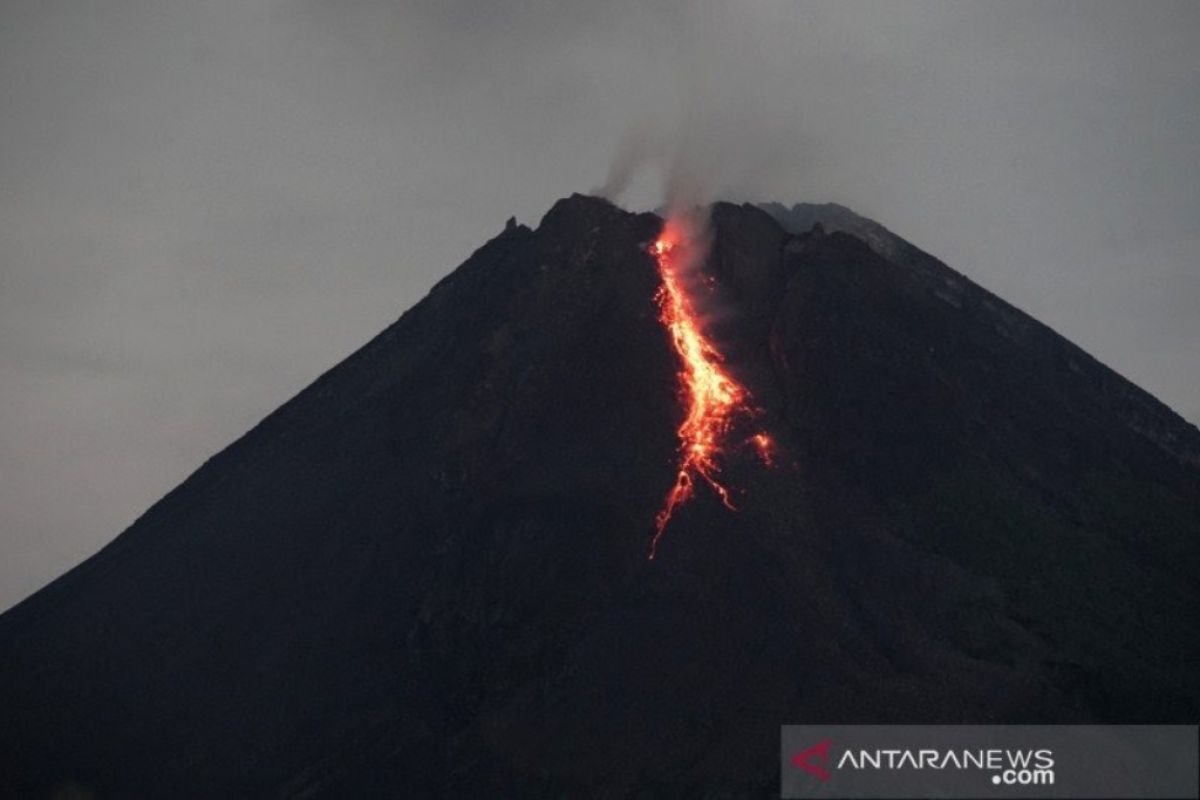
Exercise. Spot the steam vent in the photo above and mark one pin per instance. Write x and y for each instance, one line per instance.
(427, 574)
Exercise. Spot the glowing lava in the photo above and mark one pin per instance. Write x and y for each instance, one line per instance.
(765, 447)
(714, 399)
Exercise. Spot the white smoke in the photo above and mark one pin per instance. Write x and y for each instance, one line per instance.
(729, 126)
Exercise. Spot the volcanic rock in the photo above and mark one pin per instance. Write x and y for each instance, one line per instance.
(426, 574)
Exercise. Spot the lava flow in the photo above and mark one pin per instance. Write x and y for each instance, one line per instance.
(713, 397)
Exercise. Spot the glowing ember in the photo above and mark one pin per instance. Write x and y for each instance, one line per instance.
(713, 397)
(765, 448)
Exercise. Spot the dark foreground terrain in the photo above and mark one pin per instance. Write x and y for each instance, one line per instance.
(426, 574)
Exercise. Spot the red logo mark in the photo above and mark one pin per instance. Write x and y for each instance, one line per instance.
(818, 752)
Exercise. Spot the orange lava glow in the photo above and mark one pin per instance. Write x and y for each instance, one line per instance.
(713, 397)
(765, 447)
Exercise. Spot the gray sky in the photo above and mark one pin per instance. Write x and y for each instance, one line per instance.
(206, 203)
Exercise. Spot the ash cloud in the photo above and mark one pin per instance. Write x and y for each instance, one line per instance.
(639, 147)
(728, 126)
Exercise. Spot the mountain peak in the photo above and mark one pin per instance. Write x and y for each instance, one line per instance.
(426, 573)
(580, 209)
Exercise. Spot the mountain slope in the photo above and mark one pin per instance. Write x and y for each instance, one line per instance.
(427, 572)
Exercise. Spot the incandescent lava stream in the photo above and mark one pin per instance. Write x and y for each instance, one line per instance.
(713, 398)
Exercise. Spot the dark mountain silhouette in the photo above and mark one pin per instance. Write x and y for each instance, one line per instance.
(426, 574)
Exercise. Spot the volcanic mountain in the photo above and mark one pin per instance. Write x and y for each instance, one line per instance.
(427, 573)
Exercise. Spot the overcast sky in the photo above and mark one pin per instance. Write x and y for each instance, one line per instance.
(206, 203)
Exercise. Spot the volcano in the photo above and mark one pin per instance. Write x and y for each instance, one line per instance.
(427, 573)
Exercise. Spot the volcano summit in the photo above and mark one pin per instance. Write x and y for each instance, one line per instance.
(426, 574)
